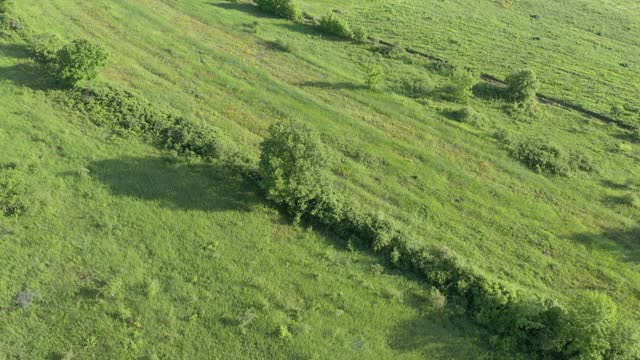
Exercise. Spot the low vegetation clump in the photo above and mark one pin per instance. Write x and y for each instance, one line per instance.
(128, 114)
(12, 190)
(286, 9)
(542, 157)
(416, 88)
(332, 25)
(293, 167)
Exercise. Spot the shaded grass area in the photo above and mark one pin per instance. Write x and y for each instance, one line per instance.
(124, 253)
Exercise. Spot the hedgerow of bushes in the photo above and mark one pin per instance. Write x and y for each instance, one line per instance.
(128, 114)
(519, 321)
(541, 156)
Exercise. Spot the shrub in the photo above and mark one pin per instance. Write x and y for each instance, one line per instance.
(592, 317)
(331, 24)
(624, 341)
(460, 89)
(393, 51)
(282, 8)
(521, 87)
(44, 47)
(294, 167)
(416, 88)
(360, 36)
(541, 157)
(373, 78)
(127, 114)
(79, 60)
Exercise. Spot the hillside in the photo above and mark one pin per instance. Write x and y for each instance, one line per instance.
(125, 250)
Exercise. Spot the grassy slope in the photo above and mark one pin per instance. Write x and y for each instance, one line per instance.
(552, 235)
(130, 254)
(580, 48)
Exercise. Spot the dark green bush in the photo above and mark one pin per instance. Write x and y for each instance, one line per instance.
(282, 8)
(293, 166)
(460, 88)
(624, 341)
(521, 87)
(592, 318)
(417, 88)
(79, 60)
(128, 114)
(12, 191)
(332, 25)
(393, 51)
(542, 157)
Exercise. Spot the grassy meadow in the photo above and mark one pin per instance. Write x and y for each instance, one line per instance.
(127, 251)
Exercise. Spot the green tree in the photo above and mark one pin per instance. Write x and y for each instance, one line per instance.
(521, 86)
(79, 60)
(592, 317)
(282, 8)
(294, 167)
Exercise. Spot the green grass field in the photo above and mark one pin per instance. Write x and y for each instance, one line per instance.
(130, 252)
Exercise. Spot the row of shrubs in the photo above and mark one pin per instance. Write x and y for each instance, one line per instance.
(128, 114)
(294, 174)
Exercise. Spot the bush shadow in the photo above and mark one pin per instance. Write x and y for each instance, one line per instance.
(17, 51)
(624, 242)
(335, 86)
(204, 187)
(428, 332)
(248, 8)
(31, 75)
(488, 91)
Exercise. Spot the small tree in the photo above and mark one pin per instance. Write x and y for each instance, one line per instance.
(459, 90)
(294, 166)
(79, 60)
(331, 24)
(521, 87)
(592, 318)
(282, 8)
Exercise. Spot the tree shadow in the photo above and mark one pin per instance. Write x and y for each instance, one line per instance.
(28, 74)
(615, 185)
(17, 51)
(625, 242)
(488, 91)
(204, 187)
(429, 333)
(31, 75)
(242, 7)
(329, 85)
(307, 29)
